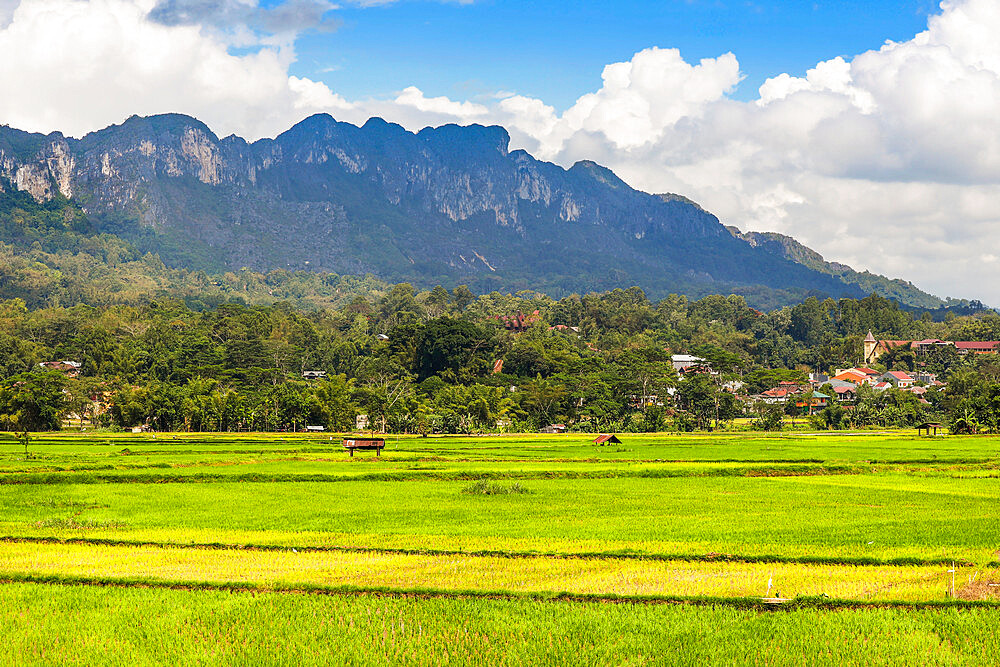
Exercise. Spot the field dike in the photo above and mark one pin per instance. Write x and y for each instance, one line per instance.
(750, 603)
(866, 561)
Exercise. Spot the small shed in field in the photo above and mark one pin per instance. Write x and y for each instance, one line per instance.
(607, 439)
(350, 444)
(927, 426)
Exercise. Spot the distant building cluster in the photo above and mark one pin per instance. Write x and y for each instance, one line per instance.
(518, 323)
(67, 368)
(875, 348)
(845, 384)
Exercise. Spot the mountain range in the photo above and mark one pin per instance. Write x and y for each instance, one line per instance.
(447, 205)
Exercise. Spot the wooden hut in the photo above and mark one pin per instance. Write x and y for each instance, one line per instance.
(927, 426)
(351, 444)
(607, 439)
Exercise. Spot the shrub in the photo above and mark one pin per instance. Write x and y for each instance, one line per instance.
(485, 487)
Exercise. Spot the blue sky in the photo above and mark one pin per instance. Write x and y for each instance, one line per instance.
(556, 50)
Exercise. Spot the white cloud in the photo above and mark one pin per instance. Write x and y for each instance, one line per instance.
(84, 65)
(414, 97)
(888, 160)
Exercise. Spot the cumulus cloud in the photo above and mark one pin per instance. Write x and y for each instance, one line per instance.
(887, 160)
(84, 65)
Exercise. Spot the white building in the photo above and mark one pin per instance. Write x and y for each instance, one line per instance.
(682, 361)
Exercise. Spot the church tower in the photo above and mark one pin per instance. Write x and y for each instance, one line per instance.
(870, 345)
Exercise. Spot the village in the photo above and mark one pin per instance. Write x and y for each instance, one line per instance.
(843, 385)
(814, 392)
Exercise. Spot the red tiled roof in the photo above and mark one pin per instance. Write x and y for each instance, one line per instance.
(977, 345)
(899, 375)
(781, 392)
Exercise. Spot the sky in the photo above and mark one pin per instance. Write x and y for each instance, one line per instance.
(867, 130)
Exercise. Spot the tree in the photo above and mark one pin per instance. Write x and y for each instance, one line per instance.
(769, 417)
(703, 401)
(448, 345)
(33, 401)
(80, 393)
(462, 296)
(437, 302)
(541, 399)
(335, 395)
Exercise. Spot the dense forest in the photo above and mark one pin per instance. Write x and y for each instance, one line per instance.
(175, 349)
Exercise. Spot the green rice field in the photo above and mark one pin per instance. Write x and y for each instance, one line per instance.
(799, 549)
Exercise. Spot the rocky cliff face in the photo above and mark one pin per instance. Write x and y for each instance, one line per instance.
(447, 204)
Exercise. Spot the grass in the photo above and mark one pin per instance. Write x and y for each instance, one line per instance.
(502, 528)
(460, 573)
(66, 623)
(874, 516)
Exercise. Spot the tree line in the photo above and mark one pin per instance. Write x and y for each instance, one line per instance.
(424, 361)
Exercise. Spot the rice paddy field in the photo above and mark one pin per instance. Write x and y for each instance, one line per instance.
(799, 549)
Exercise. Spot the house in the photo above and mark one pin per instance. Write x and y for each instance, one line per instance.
(818, 379)
(846, 393)
(851, 376)
(607, 439)
(695, 369)
(314, 429)
(897, 379)
(67, 368)
(683, 361)
(928, 344)
(553, 428)
(816, 400)
(858, 375)
(977, 347)
(925, 378)
(732, 386)
(780, 394)
(313, 375)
